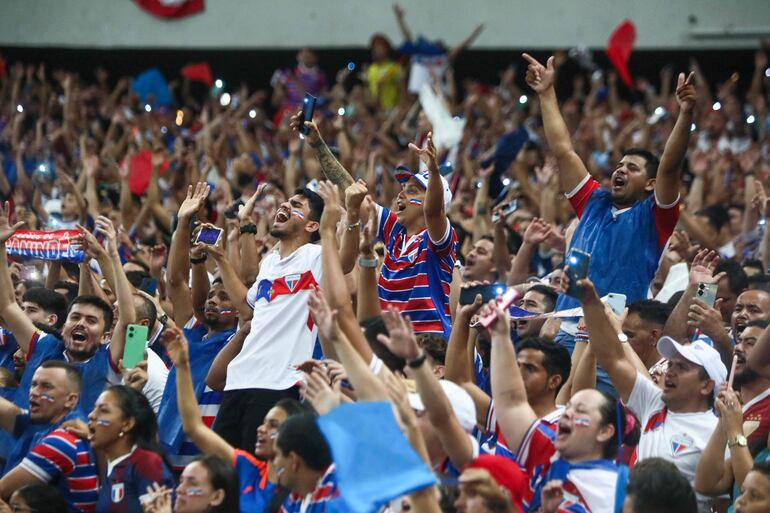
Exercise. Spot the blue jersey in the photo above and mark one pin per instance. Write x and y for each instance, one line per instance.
(8, 346)
(625, 245)
(97, 372)
(416, 274)
(256, 490)
(203, 350)
(128, 478)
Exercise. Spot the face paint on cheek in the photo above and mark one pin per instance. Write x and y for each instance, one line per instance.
(47, 397)
(194, 492)
(297, 213)
(582, 421)
(279, 471)
(103, 422)
(415, 201)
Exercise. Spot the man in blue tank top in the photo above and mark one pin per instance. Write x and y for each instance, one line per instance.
(625, 228)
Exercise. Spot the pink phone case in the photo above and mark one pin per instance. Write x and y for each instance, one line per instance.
(510, 297)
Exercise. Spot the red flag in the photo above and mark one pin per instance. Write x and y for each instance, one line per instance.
(171, 8)
(140, 168)
(198, 72)
(619, 48)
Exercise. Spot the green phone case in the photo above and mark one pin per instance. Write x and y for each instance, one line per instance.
(136, 341)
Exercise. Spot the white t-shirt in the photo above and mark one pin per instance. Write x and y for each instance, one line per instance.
(282, 333)
(157, 375)
(677, 437)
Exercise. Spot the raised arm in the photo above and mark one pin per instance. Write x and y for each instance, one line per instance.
(14, 317)
(465, 43)
(332, 168)
(217, 376)
(123, 289)
(402, 26)
(667, 180)
(402, 343)
(178, 272)
(367, 386)
(354, 196)
(334, 286)
(232, 282)
(540, 78)
(435, 216)
(367, 299)
(514, 414)
(207, 441)
(605, 342)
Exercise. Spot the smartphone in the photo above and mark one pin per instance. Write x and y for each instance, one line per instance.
(149, 286)
(308, 107)
(577, 268)
(136, 341)
(209, 236)
(509, 209)
(616, 302)
(707, 292)
(509, 298)
(488, 292)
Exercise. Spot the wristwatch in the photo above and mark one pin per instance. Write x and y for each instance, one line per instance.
(369, 263)
(623, 338)
(417, 362)
(738, 440)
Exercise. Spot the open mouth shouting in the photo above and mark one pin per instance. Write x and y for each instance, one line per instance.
(618, 183)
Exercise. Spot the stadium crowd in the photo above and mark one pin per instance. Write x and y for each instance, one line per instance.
(284, 278)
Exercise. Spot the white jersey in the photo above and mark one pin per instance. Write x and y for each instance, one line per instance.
(282, 333)
(677, 437)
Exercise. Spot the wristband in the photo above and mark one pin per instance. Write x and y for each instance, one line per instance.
(200, 260)
(249, 228)
(416, 363)
(367, 263)
(163, 319)
(354, 225)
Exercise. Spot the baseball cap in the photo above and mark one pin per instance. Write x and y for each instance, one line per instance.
(403, 174)
(698, 353)
(505, 472)
(461, 401)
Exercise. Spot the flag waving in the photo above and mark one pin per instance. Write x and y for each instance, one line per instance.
(619, 48)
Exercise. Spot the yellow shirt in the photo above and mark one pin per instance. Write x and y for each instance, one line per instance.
(385, 82)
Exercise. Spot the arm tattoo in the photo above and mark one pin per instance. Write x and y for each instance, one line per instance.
(331, 166)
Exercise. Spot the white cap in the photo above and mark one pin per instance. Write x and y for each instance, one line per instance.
(698, 353)
(402, 174)
(461, 401)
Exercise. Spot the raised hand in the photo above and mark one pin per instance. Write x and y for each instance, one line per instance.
(728, 404)
(332, 209)
(686, 92)
(354, 195)
(105, 227)
(706, 318)
(400, 341)
(468, 311)
(88, 243)
(539, 77)
(194, 200)
(703, 265)
(551, 496)
(427, 154)
(313, 134)
(159, 499)
(136, 378)
(537, 231)
(6, 230)
(174, 341)
(324, 317)
(246, 211)
(319, 393)
(369, 234)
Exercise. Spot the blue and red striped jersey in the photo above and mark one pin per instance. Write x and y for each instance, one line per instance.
(128, 478)
(318, 500)
(416, 274)
(67, 462)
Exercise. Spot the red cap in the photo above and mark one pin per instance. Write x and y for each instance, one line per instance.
(506, 473)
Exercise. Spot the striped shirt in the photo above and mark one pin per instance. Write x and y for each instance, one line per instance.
(64, 460)
(416, 274)
(318, 500)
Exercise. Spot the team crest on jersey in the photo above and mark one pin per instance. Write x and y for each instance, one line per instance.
(292, 280)
(681, 444)
(118, 492)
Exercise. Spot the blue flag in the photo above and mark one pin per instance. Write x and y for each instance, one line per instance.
(374, 461)
(152, 83)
